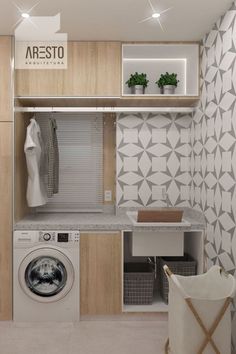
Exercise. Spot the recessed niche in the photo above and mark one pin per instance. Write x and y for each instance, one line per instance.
(156, 59)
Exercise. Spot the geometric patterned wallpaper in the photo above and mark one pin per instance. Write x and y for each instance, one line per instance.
(153, 159)
(192, 158)
(213, 159)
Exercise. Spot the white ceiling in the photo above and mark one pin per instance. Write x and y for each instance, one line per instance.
(119, 19)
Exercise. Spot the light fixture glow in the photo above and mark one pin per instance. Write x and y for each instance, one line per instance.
(156, 15)
(25, 15)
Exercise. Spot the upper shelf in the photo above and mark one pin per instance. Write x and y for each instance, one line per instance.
(157, 59)
(165, 102)
(94, 78)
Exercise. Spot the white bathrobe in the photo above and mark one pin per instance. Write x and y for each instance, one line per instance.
(36, 194)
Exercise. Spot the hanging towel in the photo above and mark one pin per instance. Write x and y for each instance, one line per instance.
(50, 166)
(35, 194)
(54, 158)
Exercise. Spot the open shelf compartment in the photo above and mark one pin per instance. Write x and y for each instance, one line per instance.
(193, 245)
(156, 59)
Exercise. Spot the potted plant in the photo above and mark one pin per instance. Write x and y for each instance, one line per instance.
(137, 82)
(167, 83)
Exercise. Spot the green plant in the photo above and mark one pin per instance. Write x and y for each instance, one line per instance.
(167, 79)
(137, 79)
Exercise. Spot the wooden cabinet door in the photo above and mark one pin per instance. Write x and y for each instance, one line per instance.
(5, 220)
(100, 274)
(6, 98)
(93, 70)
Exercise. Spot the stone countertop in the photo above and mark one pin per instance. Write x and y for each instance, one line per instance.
(101, 222)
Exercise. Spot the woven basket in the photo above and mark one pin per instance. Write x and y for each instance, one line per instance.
(138, 284)
(185, 265)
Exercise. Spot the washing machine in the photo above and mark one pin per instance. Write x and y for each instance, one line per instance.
(46, 276)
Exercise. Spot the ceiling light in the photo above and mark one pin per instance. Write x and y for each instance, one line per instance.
(25, 15)
(156, 15)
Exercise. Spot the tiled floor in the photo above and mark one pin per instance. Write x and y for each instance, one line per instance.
(86, 337)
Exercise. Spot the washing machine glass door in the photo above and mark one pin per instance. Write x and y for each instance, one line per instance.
(46, 275)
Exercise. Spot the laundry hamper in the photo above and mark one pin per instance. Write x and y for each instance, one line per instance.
(199, 312)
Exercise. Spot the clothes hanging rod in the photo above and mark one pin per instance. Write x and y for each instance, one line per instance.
(106, 109)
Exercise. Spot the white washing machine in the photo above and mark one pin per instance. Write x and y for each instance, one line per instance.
(46, 276)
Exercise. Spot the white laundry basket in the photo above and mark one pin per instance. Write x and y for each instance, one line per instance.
(199, 312)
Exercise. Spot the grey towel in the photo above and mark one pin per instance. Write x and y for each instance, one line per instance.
(50, 156)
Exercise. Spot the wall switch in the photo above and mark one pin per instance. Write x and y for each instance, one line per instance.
(108, 196)
(164, 193)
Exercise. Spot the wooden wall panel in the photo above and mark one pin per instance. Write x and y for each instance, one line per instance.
(100, 274)
(93, 70)
(109, 155)
(21, 175)
(6, 177)
(6, 220)
(6, 99)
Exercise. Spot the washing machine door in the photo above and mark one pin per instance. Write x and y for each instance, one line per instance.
(46, 275)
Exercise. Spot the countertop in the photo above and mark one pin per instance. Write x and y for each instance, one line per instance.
(102, 222)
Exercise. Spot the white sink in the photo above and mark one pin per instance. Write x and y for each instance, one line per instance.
(133, 215)
(160, 242)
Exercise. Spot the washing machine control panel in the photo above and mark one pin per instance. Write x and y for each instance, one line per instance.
(59, 236)
(47, 237)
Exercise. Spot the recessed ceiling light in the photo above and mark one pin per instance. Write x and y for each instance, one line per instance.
(156, 15)
(25, 15)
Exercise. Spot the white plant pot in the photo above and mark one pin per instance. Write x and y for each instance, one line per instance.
(169, 89)
(138, 90)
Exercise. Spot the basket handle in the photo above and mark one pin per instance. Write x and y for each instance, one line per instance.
(223, 272)
(172, 276)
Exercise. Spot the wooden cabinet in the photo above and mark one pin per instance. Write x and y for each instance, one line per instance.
(6, 99)
(100, 273)
(93, 70)
(6, 171)
(5, 220)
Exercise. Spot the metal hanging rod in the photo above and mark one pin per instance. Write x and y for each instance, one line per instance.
(107, 109)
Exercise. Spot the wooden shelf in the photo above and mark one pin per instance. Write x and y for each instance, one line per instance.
(124, 101)
(161, 101)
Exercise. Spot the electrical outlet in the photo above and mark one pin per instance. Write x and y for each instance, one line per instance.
(108, 196)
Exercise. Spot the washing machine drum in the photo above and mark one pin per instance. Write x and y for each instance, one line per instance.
(46, 275)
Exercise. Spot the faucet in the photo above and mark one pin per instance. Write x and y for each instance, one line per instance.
(166, 198)
(168, 202)
(153, 262)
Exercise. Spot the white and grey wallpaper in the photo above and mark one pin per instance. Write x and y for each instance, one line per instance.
(153, 158)
(192, 158)
(213, 160)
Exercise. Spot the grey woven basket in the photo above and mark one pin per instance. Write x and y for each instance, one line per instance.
(138, 284)
(185, 265)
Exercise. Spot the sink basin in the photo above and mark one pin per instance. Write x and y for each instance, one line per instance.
(164, 214)
(160, 242)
